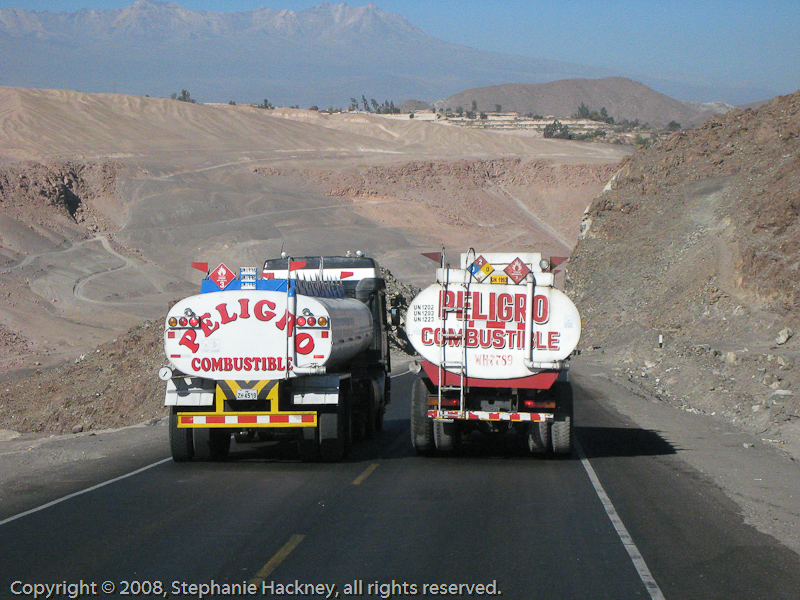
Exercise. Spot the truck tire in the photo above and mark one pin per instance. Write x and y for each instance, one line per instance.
(308, 445)
(421, 425)
(383, 403)
(180, 440)
(561, 429)
(334, 430)
(374, 408)
(211, 444)
(363, 420)
(446, 436)
(539, 435)
(331, 438)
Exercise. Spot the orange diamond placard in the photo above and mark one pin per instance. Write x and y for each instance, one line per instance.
(222, 276)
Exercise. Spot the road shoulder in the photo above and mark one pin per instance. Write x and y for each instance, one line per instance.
(764, 482)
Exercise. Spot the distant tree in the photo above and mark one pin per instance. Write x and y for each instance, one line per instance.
(459, 110)
(474, 105)
(673, 126)
(483, 116)
(411, 115)
(232, 103)
(315, 107)
(557, 129)
(626, 125)
(498, 108)
(583, 112)
(470, 114)
(184, 97)
(365, 103)
(374, 105)
(353, 104)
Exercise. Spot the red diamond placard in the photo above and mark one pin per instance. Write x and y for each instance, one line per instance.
(517, 270)
(222, 276)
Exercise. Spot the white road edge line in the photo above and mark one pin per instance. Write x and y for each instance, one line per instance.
(636, 557)
(80, 493)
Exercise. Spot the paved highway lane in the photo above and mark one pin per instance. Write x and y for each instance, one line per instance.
(531, 528)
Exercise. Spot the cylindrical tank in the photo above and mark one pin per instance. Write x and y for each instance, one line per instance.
(509, 331)
(250, 334)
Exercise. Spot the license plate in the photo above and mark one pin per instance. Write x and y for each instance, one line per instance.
(244, 394)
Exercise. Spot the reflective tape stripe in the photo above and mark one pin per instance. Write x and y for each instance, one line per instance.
(480, 415)
(249, 420)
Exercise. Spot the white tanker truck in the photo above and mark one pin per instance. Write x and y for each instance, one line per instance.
(494, 336)
(300, 350)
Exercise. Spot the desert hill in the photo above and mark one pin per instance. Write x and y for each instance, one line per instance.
(621, 97)
(696, 240)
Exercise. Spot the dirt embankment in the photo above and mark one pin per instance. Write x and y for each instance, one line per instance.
(698, 241)
(113, 386)
(65, 188)
(468, 191)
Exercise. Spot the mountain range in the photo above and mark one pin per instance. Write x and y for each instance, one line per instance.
(322, 56)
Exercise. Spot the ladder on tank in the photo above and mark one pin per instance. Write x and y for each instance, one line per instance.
(459, 364)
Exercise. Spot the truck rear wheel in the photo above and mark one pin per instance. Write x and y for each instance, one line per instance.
(211, 444)
(334, 430)
(180, 440)
(562, 425)
(446, 435)
(308, 445)
(421, 425)
(382, 402)
(374, 410)
(363, 420)
(539, 435)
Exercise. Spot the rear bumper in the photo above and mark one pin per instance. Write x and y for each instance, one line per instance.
(244, 420)
(481, 415)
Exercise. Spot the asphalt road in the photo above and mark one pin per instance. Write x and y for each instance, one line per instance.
(623, 518)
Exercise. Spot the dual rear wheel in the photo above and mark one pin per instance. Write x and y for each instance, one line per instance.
(555, 436)
(205, 444)
(428, 436)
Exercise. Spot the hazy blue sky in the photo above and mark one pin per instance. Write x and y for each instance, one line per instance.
(705, 41)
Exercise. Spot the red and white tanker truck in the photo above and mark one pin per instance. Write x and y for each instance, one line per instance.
(299, 350)
(494, 336)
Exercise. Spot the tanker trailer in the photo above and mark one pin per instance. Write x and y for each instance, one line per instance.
(299, 352)
(494, 336)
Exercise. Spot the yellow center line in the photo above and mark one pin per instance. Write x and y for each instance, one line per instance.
(367, 472)
(279, 557)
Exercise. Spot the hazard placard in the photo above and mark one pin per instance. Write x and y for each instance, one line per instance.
(222, 276)
(517, 270)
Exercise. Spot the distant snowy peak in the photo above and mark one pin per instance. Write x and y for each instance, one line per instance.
(152, 19)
